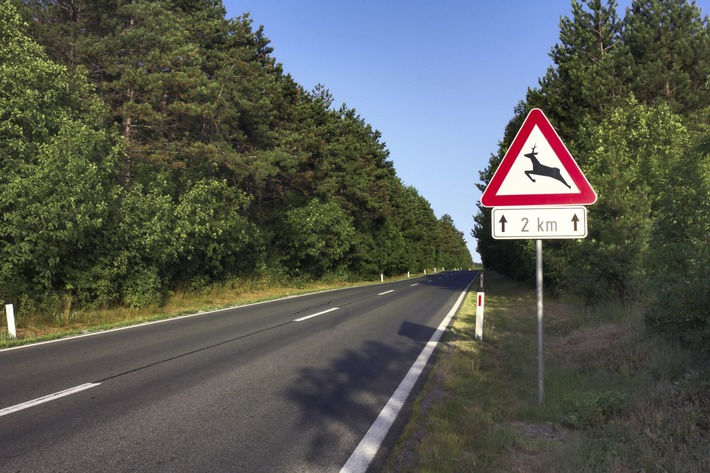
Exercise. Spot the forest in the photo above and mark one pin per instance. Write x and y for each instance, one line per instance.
(152, 145)
(630, 97)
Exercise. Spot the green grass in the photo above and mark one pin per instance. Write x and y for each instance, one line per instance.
(617, 399)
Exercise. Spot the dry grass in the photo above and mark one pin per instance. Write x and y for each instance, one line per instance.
(65, 319)
(590, 347)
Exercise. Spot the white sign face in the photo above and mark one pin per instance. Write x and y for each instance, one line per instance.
(539, 223)
(524, 176)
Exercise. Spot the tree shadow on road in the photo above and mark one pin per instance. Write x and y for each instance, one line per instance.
(338, 404)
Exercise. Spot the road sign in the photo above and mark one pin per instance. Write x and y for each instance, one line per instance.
(538, 170)
(539, 223)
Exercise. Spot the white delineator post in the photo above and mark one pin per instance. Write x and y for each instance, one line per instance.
(480, 304)
(10, 312)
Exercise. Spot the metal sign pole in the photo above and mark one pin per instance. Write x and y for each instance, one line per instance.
(540, 359)
(551, 207)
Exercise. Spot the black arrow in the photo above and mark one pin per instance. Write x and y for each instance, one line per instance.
(502, 222)
(575, 220)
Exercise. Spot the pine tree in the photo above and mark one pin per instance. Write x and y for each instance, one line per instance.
(670, 45)
(419, 227)
(454, 253)
(515, 258)
(590, 66)
(222, 154)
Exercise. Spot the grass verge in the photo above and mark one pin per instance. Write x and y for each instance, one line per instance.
(618, 399)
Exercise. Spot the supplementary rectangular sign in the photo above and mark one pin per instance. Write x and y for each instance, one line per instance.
(539, 223)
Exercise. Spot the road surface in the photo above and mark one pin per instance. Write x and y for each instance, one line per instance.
(285, 386)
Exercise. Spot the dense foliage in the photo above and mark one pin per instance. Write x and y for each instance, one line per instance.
(631, 99)
(149, 145)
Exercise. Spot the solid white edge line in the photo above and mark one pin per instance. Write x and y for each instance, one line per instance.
(178, 317)
(315, 315)
(366, 450)
(47, 398)
(386, 292)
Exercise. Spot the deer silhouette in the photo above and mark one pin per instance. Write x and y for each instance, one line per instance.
(542, 170)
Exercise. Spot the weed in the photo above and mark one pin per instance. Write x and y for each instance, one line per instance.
(589, 410)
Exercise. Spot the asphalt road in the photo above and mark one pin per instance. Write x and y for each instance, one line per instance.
(286, 386)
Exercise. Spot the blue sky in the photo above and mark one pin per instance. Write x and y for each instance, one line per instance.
(438, 79)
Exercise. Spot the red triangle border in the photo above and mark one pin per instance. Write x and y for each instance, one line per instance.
(536, 117)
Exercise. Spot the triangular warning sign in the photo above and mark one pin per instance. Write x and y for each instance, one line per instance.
(537, 170)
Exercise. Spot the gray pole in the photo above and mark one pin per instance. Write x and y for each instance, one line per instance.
(540, 359)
